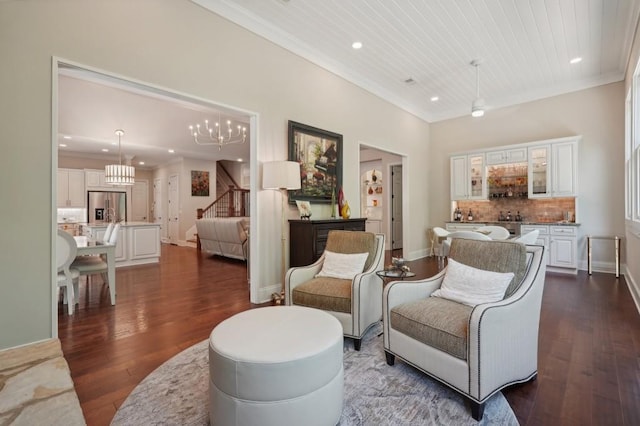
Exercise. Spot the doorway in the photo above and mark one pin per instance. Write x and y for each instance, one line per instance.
(396, 207)
(64, 69)
(173, 202)
(383, 201)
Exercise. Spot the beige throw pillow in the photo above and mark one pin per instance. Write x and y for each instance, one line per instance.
(342, 265)
(472, 286)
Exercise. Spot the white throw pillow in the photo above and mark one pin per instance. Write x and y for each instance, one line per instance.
(472, 286)
(342, 265)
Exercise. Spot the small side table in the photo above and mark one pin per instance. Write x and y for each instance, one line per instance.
(394, 274)
(616, 241)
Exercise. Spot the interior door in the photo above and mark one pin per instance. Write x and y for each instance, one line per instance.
(140, 201)
(173, 209)
(158, 209)
(396, 207)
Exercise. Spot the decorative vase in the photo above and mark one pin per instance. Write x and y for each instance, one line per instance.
(370, 191)
(340, 199)
(345, 212)
(373, 176)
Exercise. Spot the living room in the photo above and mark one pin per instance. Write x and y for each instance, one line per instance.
(127, 39)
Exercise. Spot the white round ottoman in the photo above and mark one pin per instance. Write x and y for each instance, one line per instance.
(278, 365)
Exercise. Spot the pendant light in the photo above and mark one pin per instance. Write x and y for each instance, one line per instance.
(477, 106)
(119, 174)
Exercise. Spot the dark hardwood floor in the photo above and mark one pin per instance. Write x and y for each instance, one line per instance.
(589, 352)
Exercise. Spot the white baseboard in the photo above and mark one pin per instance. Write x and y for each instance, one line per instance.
(634, 289)
(264, 293)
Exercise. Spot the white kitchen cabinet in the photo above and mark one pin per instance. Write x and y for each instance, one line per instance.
(138, 242)
(518, 155)
(553, 170)
(96, 181)
(563, 247)
(560, 243)
(71, 189)
(144, 242)
(468, 177)
(564, 164)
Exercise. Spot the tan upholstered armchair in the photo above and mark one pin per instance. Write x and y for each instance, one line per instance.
(474, 350)
(357, 302)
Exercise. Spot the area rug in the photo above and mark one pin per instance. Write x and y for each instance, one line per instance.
(177, 393)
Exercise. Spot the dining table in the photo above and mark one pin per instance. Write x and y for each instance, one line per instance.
(90, 247)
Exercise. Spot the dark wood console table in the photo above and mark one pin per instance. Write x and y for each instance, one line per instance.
(307, 238)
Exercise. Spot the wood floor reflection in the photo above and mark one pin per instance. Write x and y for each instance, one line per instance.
(589, 367)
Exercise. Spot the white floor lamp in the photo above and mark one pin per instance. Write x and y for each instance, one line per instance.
(282, 176)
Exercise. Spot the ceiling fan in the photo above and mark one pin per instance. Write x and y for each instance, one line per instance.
(477, 106)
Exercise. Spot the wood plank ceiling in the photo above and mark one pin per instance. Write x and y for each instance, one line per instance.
(525, 45)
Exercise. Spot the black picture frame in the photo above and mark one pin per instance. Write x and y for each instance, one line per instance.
(319, 153)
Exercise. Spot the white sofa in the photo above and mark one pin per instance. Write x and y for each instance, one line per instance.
(224, 236)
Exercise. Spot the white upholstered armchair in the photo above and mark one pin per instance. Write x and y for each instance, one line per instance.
(355, 302)
(475, 350)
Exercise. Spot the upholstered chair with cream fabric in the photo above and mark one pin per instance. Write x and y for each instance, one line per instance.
(343, 281)
(474, 325)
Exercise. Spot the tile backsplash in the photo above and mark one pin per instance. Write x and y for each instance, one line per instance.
(531, 210)
(72, 215)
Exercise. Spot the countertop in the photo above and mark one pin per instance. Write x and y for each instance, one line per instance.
(524, 222)
(125, 224)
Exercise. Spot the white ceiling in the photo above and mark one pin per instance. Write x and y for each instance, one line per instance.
(92, 106)
(525, 45)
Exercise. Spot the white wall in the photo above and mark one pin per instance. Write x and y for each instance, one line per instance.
(166, 44)
(632, 231)
(597, 114)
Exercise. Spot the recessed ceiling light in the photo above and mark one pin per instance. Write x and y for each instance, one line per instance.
(434, 98)
(575, 60)
(62, 145)
(171, 151)
(357, 45)
(105, 150)
(66, 137)
(141, 163)
(240, 160)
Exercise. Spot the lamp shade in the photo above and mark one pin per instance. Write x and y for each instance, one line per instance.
(281, 175)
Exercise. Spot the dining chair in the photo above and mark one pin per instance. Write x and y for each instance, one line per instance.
(494, 232)
(108, 232)
(91, 265)
(468, 235)
(529, 237)
(66, 250)
(438, 235)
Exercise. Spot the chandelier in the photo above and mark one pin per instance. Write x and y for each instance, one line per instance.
(119, 174)
(214, 135)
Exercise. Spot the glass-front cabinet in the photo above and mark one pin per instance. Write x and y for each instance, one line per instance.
(538, 171)
(553, 170)
(468, 180)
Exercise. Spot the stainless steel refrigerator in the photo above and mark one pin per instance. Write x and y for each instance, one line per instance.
(106, 206)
